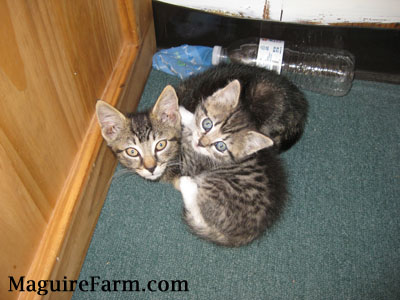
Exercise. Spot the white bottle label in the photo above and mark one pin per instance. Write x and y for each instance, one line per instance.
(270, 54)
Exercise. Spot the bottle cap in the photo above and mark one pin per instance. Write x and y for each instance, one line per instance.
(216, 55)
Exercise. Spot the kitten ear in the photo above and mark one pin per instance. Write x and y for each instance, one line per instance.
(254, 141)
(110, 120)
(166, 109)
(229, 95)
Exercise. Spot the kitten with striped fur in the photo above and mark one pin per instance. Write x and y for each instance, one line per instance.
(147, 143)
(277, 107)
(233, 184)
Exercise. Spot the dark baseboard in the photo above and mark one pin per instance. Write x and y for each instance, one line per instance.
(377, 50)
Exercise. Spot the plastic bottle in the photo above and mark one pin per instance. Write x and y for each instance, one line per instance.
(322, 70)
(183, 61)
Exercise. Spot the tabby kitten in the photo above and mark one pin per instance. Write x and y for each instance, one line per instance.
(147, 143)
(234, 185)
(277, 107)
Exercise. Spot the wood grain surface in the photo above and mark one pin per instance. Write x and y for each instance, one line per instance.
(56, 59)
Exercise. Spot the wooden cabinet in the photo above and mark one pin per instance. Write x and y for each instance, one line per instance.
(56, 59)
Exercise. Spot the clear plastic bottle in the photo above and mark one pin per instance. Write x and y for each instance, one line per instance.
(322, 70)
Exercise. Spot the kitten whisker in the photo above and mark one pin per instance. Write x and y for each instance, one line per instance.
(169, 164)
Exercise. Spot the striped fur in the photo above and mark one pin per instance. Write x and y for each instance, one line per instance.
(277, 107)
(144, 132)
(229, 198)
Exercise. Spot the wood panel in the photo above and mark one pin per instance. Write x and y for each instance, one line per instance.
(60, 57)
(144, 18)
(59, 61)
(22, 222)
(85, 215)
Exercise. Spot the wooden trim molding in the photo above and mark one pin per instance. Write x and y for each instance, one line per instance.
(66, 239)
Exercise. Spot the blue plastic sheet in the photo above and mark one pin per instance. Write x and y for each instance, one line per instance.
(183, 61)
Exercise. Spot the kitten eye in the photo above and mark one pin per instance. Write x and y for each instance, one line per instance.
(132, 152)
(207, 124)
(220, 146)
(161, 145)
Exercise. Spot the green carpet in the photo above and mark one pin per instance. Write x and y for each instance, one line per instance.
(338, 238)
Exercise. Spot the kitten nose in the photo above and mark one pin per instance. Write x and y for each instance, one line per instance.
(204, 141)
(149, 163)
(200, 144)
(151, 169)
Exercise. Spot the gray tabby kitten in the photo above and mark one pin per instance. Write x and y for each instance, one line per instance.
(277, 108)
(147, 143)
(234, 185)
